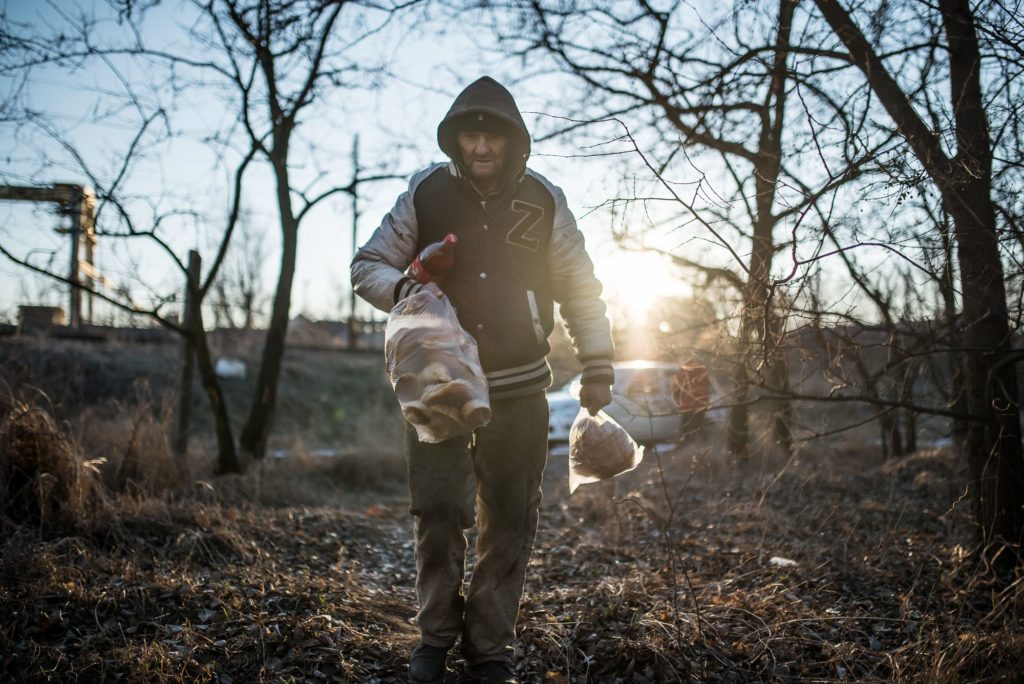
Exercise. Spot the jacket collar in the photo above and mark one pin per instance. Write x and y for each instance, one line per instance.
(465, 182)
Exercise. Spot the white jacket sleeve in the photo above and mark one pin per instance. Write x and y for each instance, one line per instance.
(378, 267)
(578, 292)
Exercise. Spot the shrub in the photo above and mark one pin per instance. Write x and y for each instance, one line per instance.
(43, 477)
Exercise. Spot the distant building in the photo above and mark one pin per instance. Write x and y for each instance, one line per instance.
(39, 319)
(370, 335)
(305, 332)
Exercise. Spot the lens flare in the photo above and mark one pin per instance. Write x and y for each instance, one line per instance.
(634, 281)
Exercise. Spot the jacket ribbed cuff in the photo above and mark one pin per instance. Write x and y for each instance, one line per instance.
(597, 370)
(405, 287)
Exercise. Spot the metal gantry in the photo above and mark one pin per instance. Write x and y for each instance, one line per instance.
(78, 204)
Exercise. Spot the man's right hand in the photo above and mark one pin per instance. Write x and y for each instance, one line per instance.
(595, 396)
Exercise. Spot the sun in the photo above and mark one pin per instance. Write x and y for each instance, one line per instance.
(634, 281)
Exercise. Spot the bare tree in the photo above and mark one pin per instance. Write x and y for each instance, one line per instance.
(719, 90)
(121, 217)
(269, 62)
(964, 179)
(280, 58)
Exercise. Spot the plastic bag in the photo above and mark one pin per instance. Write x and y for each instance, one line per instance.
(599, 448)
(434, 368)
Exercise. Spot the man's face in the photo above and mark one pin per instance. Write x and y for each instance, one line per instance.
(483, 154)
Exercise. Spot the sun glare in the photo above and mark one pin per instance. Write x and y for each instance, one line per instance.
(633, 281)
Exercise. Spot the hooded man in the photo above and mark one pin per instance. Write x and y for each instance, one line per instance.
(518, 252)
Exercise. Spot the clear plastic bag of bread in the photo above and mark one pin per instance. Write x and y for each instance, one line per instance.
(435, 369)
(599, 448)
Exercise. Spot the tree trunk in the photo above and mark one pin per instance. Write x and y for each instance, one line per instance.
(956, 361)
(993, 443)
(248, 304)
(737, 428)
(911, 432)
(993, 439)
(896, 448)
(227, 458)
(885, 431)
(757, 321)
(909, 418)
(188, 363)
(261, 413)
(778, 381)
(891, 419)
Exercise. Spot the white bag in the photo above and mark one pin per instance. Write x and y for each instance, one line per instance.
(599, 448)
(434, 367)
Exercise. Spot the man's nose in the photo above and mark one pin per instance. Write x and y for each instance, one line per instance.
(482, 147)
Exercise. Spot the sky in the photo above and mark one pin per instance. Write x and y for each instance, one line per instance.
(396, 128)
(182, 177)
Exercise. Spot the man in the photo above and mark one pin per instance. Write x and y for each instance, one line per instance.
(518, 252)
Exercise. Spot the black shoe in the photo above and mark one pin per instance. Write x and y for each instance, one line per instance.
(426, 666)
(491, 672)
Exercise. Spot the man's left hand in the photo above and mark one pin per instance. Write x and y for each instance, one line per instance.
(595, 396)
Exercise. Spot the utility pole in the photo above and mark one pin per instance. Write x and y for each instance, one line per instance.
(354, 191)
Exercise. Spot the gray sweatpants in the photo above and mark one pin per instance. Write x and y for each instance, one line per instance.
(502, 470)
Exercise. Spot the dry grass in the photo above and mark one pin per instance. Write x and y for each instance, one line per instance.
(217, 583)
(306, 479)
(151, 590)
(133, 439)
(880, 588)
(44, 478)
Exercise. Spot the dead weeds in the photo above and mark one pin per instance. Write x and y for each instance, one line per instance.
(191, 592)
(816, 571)
(43, 478)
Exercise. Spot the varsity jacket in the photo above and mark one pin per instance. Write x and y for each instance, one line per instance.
(518, 252)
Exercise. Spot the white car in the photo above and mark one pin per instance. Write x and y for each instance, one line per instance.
(642, 403)
(562, 410)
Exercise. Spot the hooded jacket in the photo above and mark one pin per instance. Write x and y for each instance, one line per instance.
(519, 251)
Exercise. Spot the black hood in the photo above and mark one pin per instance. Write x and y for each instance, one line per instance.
(487, 105)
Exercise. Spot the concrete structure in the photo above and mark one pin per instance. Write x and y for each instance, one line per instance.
(39, 319)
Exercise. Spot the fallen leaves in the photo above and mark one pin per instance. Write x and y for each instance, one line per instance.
(211, 603)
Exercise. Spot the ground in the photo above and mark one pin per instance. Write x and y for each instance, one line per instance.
(825, 567)
(830, 565)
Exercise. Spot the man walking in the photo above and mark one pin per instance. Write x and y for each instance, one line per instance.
(519, 251)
